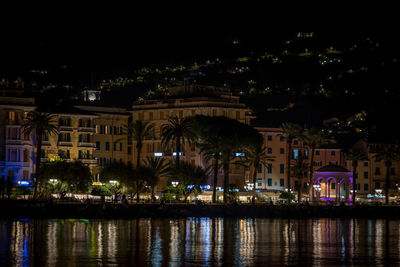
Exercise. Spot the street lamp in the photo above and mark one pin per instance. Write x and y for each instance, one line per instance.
(250, 186)
(174, 183)
(113, 182)
(53, 181)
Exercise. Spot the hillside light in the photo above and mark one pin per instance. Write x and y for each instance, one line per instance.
(174, 183)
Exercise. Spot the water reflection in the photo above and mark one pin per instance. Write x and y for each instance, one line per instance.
(199, 242)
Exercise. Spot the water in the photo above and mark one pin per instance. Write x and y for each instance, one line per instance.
(199, 242)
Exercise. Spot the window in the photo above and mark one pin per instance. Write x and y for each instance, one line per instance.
(333, 186)
(365, 163)
(26, 155)
(358, 186)
(281, 182)
(306, 153)
(214, 112)
(296, 185)
(115, 146)
(333, 153)
(269, 138)
(25, 175)
(269, 166)
(282, 150)
(13, 155)
(107, 146)
(269, 181)
(238, 115)
(129, 150)
(97, 145)
(295, 154)
(366, 175)
(377, 171)
(281, 138)
(259, 184)
(120, 146)
(365, 187)
(377, 185)
(260, 168)
(295, 142)
(281, 168)
(270, 150)
(317, 152)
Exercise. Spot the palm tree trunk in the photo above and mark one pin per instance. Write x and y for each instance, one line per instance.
(139, 150)
(178, 150)
(253, 200)
(299, 191)
(38, 161)
(226, 181)
(289, 156)
(387, 185)
(153, 193)
(214, 197)
(311, 172)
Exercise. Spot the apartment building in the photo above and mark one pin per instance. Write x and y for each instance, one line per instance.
(110, 137)
(74, 140)
(16, 147)
(274, 175)
(372, 173)
(159, 111)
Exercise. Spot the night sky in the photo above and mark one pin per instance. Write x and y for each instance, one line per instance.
(119, 37)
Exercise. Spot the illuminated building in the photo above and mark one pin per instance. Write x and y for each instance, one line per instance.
(16, 148)
(217, 103)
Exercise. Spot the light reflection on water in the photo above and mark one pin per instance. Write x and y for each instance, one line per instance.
(199, 242)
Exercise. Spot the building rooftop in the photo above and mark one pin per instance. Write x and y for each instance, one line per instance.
(332, 168)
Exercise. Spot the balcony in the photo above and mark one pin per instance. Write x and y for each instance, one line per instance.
(89, 161)
(86, 144)
(44, 160)
(65, 128)
(87, 129)
(65, 143)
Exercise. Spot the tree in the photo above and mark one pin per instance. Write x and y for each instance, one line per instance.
(388, 154)
(178, 131)
(313, 139)
(159, 168)
(299, 169)
(211, 137)
(189, 177)
(254, 156)
(122, 173)
(39, 124)
(139, 131)
(71, 177)
(354, 156)
(290, 131)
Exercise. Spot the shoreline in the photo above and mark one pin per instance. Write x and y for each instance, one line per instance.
(45, 209)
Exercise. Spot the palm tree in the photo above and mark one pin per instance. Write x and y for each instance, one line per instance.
(160, 168)
(313, 139)
(299, 169)
(290, 131)
(254, 156)
(189, 176)
(139, 131)
(210, 147)
(354, 156)
(40, 124)
(388, 154)
(178, 131)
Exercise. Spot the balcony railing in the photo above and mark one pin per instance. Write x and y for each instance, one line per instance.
(64, 143)
(66, 128)
(89, 161)
(86, 144)
(87, 129)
